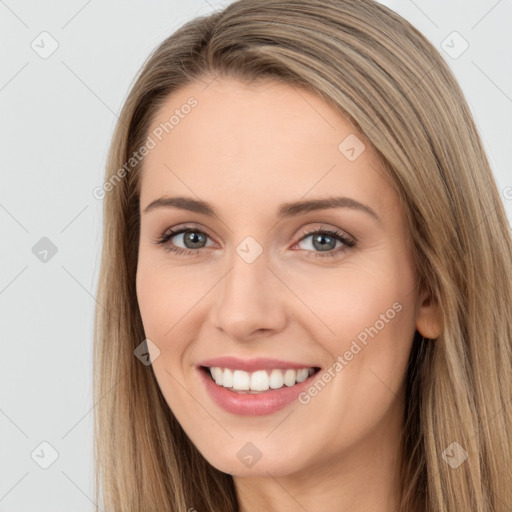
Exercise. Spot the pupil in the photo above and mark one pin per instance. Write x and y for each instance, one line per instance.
(193, 237)
(320, 238)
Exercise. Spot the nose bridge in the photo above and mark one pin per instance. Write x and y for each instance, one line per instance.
(248, 300)
(247, 280)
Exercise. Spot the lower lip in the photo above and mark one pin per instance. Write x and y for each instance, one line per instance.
(243, 404)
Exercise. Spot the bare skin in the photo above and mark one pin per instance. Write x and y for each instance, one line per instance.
(246, 150)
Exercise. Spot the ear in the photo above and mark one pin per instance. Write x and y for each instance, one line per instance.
(428, 321)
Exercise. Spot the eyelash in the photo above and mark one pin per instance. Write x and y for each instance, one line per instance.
(338, 235)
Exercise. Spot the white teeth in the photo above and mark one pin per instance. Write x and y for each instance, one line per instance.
(276, 379)
(227, 378)
(290, 377)
(241, 380)
(217, 375)
(260, 380)
(302, 374)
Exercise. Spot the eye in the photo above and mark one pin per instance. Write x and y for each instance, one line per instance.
(193, 239)
(323, 241)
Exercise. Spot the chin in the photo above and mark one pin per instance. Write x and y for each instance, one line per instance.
(246, 459)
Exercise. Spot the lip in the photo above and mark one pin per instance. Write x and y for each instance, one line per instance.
(252, 365)
(266, 402)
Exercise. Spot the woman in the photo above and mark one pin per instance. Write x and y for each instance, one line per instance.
(305, 292)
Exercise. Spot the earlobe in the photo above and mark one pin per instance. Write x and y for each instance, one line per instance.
(428, 321)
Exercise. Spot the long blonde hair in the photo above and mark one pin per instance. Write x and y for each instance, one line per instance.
(393, 86)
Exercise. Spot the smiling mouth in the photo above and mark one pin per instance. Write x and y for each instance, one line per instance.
(259, 381)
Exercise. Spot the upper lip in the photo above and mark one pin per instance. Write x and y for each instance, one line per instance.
(251, 365)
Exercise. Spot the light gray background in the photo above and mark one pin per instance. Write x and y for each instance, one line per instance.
(57, 118)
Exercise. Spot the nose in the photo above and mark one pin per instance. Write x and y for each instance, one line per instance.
(251, 300)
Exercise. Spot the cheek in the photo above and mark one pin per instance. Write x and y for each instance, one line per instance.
(151, 299)
(367, 315)
(163, 304)
(370, 330)
(348, 300)
(164, 295)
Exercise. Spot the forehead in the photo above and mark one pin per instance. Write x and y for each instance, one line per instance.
(245, 142)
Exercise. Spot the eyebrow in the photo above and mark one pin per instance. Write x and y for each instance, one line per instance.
(286, 210)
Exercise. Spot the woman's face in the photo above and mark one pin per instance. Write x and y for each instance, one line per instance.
(255, 280)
